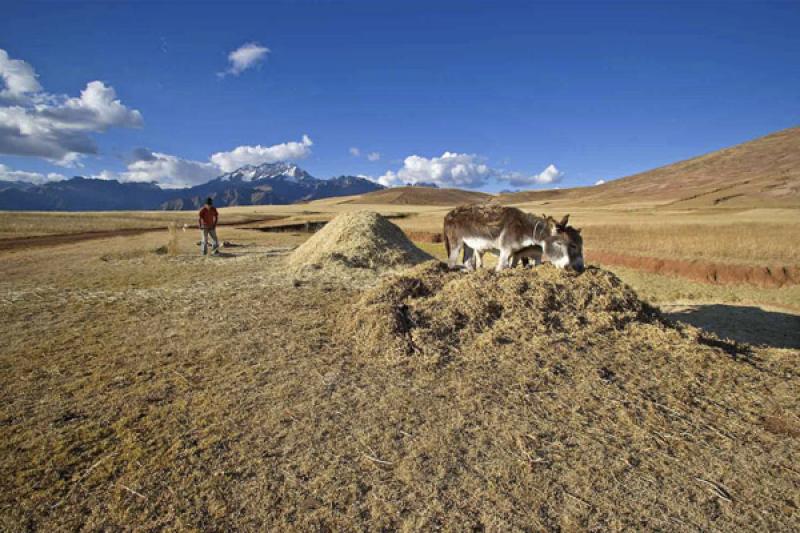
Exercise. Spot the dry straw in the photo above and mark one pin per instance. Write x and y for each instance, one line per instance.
(172, 244)
(358, 240)
(431, 314)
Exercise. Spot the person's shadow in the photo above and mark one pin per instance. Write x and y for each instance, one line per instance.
(742, 324)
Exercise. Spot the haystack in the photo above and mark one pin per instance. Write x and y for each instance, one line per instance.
(433, 314)
(358, 240)
(572, 401)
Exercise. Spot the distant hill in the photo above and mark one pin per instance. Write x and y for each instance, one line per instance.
(82, 194)
(534, 196)
(272, 183)
(417, 195)
(764, 172)
(20, 185)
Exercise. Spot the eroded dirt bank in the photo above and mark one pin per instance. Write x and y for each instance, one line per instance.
(706, 272)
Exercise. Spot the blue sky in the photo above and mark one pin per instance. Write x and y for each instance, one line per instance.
(484, 95)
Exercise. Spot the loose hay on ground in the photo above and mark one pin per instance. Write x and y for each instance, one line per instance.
(216, 391)
(637, 422)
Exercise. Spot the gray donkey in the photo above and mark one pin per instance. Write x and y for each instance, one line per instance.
(487, 227)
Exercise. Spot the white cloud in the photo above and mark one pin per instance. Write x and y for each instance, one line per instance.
(55, 127)
(599, 182)
(256, 155)
(18, 77)
(7, 174)
(449, 170)
(106, 175)
(171, 171)
(371, 156)
(168, 170)
(246, 56)
(97, 109)
(461, 170)
(26, 132)
(549, 175)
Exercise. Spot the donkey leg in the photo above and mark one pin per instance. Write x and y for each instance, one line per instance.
(478, 259)
(455, 251)
(502, 261)
(472, 264)
(469, 258)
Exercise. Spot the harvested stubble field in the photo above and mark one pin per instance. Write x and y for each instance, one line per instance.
(155, 391)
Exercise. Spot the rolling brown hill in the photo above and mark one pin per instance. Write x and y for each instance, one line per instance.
(764, 172)
(421, 196)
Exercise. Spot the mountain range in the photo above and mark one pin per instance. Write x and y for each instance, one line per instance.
(269, 183)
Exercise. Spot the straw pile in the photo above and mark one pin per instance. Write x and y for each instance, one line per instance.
(434, 314)
(358, 240)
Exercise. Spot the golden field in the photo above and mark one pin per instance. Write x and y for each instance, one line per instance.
(168, 391)
(757, 236)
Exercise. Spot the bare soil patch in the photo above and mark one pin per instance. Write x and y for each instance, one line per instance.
(425, 236)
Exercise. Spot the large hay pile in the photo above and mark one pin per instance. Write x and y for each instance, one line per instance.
(362, 240)
(550, 401)
(435, 314)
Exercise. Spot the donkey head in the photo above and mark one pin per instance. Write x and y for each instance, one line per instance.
(564, 245)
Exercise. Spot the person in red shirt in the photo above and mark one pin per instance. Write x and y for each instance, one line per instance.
(208, 217)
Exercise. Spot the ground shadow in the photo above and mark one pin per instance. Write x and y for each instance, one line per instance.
(742, 324)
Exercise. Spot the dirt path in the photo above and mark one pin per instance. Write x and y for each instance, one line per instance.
(19, 243)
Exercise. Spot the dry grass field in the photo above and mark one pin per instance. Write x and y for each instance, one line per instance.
(146, 389)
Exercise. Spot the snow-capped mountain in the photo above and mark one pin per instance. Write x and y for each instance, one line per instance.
(269, 183)
(268, 171)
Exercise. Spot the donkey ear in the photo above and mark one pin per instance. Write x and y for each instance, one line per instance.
(564, 221)
(552, 227)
